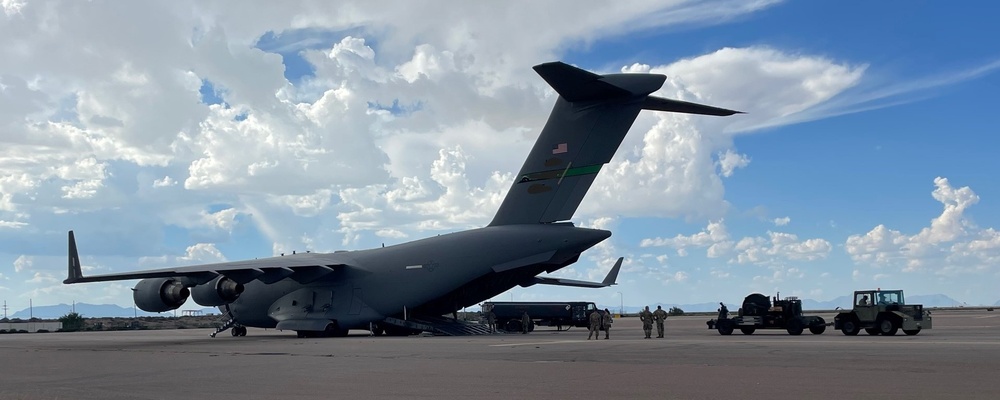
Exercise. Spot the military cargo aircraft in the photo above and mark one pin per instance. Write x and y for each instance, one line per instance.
(326, 294)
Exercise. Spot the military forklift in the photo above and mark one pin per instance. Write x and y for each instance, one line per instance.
(882, 312)
(758, 312)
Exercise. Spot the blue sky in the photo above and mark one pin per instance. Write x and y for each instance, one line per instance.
(301, 127)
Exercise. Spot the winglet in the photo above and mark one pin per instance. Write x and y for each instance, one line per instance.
(75, 272)
(613, 274)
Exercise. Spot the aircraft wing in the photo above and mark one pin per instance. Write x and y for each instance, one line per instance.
(608, 280)
(302, 267)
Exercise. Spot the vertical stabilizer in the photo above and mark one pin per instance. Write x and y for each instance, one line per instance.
(587, 124)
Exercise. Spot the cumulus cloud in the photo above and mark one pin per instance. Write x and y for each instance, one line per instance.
(952, 243)
(776, 249)
(23, 263)
(675, 168)
(399, 127)
(781, 221)
(199, 253)
(165, 182)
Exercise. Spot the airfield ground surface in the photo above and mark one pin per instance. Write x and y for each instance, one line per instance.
(958, 358)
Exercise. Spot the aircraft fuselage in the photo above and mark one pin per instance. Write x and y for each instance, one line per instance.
(417, 273)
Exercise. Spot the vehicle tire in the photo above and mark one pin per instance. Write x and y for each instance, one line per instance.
(235, 331)
(818, 326)
(911, 332)
(850, 327)
(872, 331)
(512, 326)
(725, 328)
(794, 326)
(748, 331)
(887, 326)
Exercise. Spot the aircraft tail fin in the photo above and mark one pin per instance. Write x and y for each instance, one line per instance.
(75, 272)
(587, 124)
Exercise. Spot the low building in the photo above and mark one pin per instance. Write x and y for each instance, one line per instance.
(31, 327)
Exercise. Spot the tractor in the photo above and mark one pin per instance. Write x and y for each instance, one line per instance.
(758, 312)
(882, 312)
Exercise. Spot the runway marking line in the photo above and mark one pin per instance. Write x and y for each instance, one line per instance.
(537, 343)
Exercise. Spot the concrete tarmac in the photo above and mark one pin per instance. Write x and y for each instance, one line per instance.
(958, 358)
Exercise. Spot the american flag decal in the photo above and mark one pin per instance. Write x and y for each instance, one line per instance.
(560, 148)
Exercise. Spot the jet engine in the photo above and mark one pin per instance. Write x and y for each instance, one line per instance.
(160, 294)
(217, 292)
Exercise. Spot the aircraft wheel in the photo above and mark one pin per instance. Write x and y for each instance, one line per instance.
(911, 332)
(333, 330)
(850, 327)
(748, 331)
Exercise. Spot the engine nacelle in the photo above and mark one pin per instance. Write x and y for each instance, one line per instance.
(160, 294)
(217, 292)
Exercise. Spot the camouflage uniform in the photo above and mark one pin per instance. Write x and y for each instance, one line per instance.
(491, 320)
(659, 316)
(595, 325)
(606, 321)
(525, 322)
(647, 321)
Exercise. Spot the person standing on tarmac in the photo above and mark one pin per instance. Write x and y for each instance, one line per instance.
(595, 325)
(491, 320)
(525, 322)
(659, 316)
(606, 321)
(647, 321)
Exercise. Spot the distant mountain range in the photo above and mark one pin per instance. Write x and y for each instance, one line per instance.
(94, 311)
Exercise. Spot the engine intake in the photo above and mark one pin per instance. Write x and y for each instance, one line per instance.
(217, 292)
(160, 294)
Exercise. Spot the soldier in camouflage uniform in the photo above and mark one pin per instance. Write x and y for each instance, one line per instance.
(647, 321)
(525, 322)
(606, 322)
(659, 316)
(595, 325)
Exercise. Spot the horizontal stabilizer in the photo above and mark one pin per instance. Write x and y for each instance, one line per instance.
(608, 280)
(575, 84)
(661, 104)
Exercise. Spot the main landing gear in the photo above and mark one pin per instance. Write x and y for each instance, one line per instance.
(238, 330)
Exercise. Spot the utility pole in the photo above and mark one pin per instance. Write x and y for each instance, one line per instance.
(31, 310)
(5, 309)
(622, 298)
